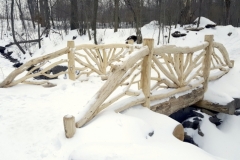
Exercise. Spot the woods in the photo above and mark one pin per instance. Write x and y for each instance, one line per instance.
(89, 15)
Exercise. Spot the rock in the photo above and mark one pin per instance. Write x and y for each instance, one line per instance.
(151, 133)
(2, 49)
(200, 131)
(178, 132)
(198, 114)
(177, 34)
(215, 120)
(185, 113)
(210, 25)
(17, 65)
(189, 139)
(132, 37)
(194, 125)
(74, 37)
(194, 28)
(55, 70)
(230, 33)
(8, 56)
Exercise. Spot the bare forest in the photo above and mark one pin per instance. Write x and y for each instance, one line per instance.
(88, 15)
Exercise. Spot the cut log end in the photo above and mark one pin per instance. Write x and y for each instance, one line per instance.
(178, 132)
(69, 126)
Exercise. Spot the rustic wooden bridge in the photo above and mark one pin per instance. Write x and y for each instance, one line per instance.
(164, 79)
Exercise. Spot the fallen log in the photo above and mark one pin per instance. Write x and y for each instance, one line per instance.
(174, 104)
(228, 108)
(30, 41)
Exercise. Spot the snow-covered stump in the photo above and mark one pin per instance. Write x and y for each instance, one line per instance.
(71, 60)
(69, 125)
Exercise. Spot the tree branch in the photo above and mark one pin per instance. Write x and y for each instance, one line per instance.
(30, 41)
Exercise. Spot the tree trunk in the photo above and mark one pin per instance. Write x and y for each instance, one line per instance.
(159, 3)
(74, 15)
(51, 13)
(39, 27)
(44, 14)
(136, 8)
(200, 12)
(7, 16)
(31, 9)
(94, 21)
(21, 14)
(227, 4)
(13, 32)
(116, 15)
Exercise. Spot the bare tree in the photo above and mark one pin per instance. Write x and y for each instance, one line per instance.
(32, 11)
(94, 20)
(7, 16)
(200, 12)
(21, 15)
(13, 31)
(74, 15)
(116, 15)
(227, 7)
(44, 14)
(159, 3)
(136, 8)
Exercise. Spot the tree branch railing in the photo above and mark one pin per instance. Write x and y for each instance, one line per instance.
(85, 58)
(140, 77)
(173, 69)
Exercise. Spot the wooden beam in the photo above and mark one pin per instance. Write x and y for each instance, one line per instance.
(69, 125)
(8, 80)
(145, 83)
(71, 60)
(207, 60)
(174, 104)
(116, 77)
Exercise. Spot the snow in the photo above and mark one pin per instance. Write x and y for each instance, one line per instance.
(31, 117)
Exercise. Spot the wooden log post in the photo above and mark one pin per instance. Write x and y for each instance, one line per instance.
(69, 125)
(130, 41)
(71, 60)
(146, 72)
(105, 62)
(207, 60)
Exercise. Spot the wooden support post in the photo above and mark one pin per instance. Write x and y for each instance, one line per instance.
(105, 62)
(146, 72)
(130, 41)
(71, 60)
(69, 125)
(207, 61)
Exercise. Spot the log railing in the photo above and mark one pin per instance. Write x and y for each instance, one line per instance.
(85, 59)
(146, 75)
(172, 70)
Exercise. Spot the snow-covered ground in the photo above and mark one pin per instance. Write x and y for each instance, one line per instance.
(31, 117)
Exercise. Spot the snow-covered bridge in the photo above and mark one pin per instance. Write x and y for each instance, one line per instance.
(164, 79)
